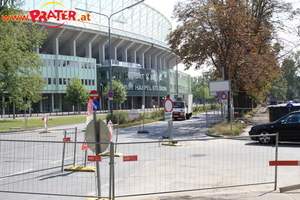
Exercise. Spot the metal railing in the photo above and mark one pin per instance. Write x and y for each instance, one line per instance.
(35, 164)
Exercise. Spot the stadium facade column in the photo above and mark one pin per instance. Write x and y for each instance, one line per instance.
(109, 45)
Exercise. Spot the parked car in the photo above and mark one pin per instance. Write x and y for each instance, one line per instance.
(288, 128)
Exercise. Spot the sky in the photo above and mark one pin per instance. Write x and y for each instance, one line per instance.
(163, 6)
(166, 8)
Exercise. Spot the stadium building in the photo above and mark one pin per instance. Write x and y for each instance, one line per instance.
(140, 57)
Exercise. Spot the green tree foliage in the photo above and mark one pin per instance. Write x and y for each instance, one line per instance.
(119, 92)
(200, 90)
(234, 35)
(20, 71)
(77, 94)
(290, 73)
(277, 89)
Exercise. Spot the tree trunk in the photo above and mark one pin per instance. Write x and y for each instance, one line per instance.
(14, 111)
(78, 108)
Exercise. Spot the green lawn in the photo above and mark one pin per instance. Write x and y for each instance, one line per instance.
(6, 124)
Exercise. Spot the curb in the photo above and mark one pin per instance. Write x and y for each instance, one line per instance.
(212, 135)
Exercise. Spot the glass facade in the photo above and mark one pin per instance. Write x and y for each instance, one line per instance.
(132, 23)
(60, 70)
(154, 84)
(136, 80)
(141, 58)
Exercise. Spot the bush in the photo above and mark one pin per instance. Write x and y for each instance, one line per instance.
(225, 129)
(215, 106)
(157, 113)
(206, 107)
(119, 117)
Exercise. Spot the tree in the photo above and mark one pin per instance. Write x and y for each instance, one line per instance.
(200, 90)
(119, 92)
(76, 95)
(234, 36)
(290, 73)
(20, 71)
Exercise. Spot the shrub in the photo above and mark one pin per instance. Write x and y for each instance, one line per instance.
(206, 107)
(119, 117)
(225, 129)
(215, 106)
(157, 113)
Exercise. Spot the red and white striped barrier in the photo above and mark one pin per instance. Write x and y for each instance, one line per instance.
(284, 163)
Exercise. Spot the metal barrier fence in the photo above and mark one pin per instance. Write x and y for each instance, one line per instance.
(30, 165)
(215, 116)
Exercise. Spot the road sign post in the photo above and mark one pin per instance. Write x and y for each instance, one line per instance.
(168, 107)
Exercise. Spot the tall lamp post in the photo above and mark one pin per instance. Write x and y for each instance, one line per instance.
(109, 46)
(101, 103)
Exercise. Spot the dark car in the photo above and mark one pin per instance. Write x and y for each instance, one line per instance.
(288, 128)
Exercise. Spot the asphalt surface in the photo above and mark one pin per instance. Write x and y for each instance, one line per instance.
(287, 176)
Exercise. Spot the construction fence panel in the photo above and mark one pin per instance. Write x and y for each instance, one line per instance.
(50, 135)
(215, 116)
(195, 165)
(38, 167)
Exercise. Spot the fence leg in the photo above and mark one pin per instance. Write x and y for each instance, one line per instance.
(97, 150)
(75, 144)
(112, 172)
(276, 158)
(63, 155)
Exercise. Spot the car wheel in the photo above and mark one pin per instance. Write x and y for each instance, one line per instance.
(264, 137)
(188, 116)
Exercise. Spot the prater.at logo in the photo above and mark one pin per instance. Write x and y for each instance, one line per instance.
(44, 16)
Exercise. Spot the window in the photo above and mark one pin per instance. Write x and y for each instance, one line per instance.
(295, 118)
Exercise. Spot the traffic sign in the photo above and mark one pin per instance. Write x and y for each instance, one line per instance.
(90, 106)
(103, 135)
(223, 96)
(96, 105)
(168, 116)
(110, 94)
(168, 105)
(94, 95)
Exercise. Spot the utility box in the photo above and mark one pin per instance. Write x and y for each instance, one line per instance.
(275, 112)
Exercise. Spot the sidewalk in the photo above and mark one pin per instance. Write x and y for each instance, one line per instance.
(259, 192)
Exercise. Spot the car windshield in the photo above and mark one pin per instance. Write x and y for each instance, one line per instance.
(178, 104)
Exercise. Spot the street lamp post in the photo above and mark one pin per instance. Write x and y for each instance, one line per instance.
(101, 103)
(109, 46)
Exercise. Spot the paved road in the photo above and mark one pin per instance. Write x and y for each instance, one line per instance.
(195, 128)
